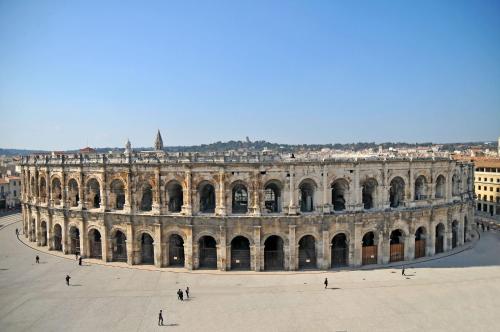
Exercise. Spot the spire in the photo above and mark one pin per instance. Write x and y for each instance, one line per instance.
(128, 147)
(158, 142)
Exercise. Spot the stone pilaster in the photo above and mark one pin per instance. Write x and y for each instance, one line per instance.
(292, 207)
(188, 247)
(130, 241)
(157, 245)
(187, 208)
(292, 248)
(256, 260)
(222, 250)
(221, 199)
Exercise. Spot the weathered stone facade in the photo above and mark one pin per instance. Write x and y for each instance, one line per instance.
(253, 214)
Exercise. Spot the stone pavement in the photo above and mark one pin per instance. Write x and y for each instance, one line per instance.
(456, 293)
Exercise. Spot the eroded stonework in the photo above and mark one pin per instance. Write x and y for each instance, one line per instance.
(253, 214)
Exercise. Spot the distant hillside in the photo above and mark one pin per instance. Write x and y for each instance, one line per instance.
(260, 145)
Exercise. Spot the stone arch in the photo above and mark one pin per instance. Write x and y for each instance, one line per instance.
(420, 242)
(274, 254)
(174, 196)
(207, 252)
(146, 245)
(240, 253)
(340, 191)
(74, 239)
(117, 194)
(175, 249)
(397, 245)
(56, 189)
(397, 192)
(421, 188)
(146, 196)
(239, 197)
(95, 243)
(206, 196)
(440, 186)
(57, 237)
(93, 193)
(43, 233)
(272, 196)
(307, 190)
(307, 252)
(369, 250)
(73, 192)
(369, 193)
(440, 234)
(455, 185)
(454, 233)
(118, 245)
(43, 189)
(339, 249)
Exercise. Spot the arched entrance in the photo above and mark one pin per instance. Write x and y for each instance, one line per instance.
(307, 252)
(208, 252)
(274, 257)
(369, 249)
(119, 247)
(57, 237)
(175, 250)
(420, 242)
(439, 239)
(340, 250)
(95, 245)
(147, 249)
(43, 230)
(240, 253)
(207, 198)
(466, 226)
(454, 234)
(74, 238)
(397, 246)
(33, 230)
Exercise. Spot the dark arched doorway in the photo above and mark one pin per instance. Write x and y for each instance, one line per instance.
(240, 253)
(176, 250)
(397, 246)
(340, 250)
(95, 245)
(147, 249)
(208, 252)
(439, 239)
(43, 230)
(420, 242)
(273, 253)
(307, 252)
(57, 237)
(120, 247)
(454, 234)
(369, 249)
(74, 240)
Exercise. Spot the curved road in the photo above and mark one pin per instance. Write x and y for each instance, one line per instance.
(456, 293)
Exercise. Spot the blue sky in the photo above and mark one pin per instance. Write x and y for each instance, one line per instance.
(73, 72)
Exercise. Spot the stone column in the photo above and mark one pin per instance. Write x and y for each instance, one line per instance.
(326, 205)
(84, 246)
(256, 259)
(127, 207)
(292, 207)
(327, 251)
(157, 194)
(48, 183)
(106, 243)
(50, 233)
(81, 191)
(130, 242)
(411, 185)
(64, 190)
(357, 203)
(221, 208)
(158, 245)
(104, 192)
(357, 257)
(187, 208)
(221, 249)
(188, 247)
(256, 195)
(384, 249)
(65, 230)
(292, 248)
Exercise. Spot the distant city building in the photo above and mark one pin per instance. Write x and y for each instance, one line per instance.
(487, 185)
(158, 142)
(10, 192)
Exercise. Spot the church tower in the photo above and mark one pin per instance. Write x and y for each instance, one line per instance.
(158, 142)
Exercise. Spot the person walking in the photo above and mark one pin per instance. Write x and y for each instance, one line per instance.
(160, 319)
(67, 279)
(37, 259)
(187, 292)
(403, 271)
(326, 283)
(179, 294)
(80, 261)
(17, 231)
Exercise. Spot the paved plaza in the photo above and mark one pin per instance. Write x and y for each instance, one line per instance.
(460, 292)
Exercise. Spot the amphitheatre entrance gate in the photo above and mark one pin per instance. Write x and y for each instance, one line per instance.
(208, 252)
(176, 250)
(273, 253)
(240, 253)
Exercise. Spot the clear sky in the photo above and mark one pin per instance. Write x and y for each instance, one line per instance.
(73, 72)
